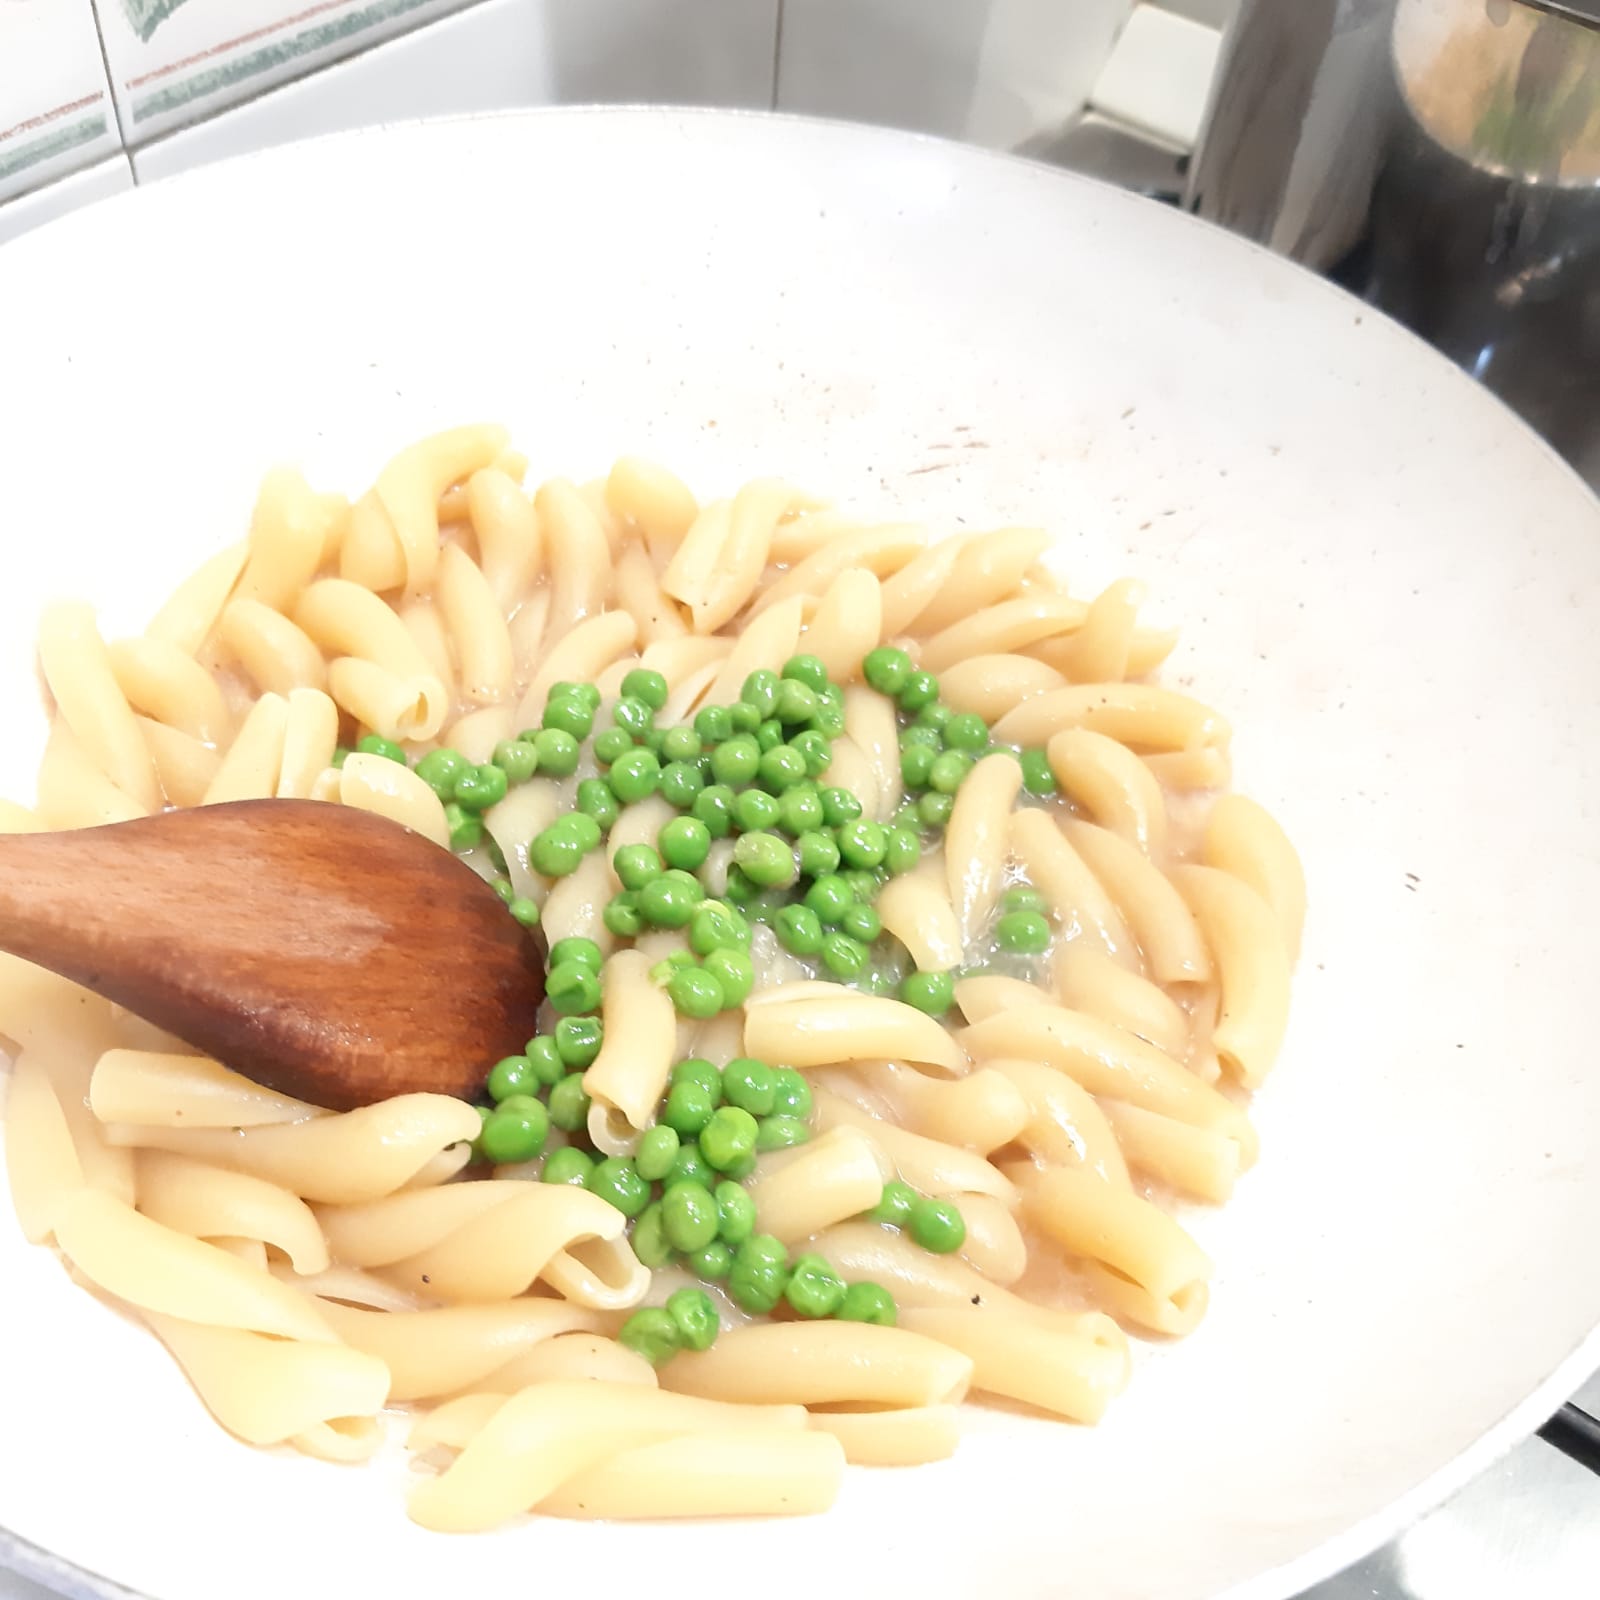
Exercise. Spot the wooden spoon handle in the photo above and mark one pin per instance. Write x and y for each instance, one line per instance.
(320, 950)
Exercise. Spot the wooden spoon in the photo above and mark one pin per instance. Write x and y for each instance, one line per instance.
(321, 951)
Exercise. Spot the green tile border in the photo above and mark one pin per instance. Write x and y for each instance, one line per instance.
(213, 79)
(55, 143)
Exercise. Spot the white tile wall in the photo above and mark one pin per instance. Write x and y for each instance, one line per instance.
(505, 53)
(98, 182)
(55, 105)
(1000, 72)
(173, 61)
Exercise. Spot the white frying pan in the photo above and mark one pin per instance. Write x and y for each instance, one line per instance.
(1389, 585)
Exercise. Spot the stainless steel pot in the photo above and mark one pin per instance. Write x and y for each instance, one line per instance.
(1439, 157)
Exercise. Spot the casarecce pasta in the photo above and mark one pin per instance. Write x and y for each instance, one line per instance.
(906, 974)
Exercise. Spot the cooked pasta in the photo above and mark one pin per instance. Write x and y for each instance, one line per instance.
(906, 978)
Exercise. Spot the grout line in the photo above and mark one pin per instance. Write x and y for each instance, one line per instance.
(777, 56)
(116, 110)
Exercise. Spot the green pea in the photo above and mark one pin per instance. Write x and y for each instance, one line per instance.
(636, 865)
(1037, 778)
(648, 1239)
(902, 850)
(651, 1333)
(643, 684)
(935, 716)
(1023, 932)
(712, 1263)
(781, 1133)
(616, 1181)
(478, 788)
(695, 993)
(932, 992)
(799, 810)
(374, 744)
(466, 831)
(867, 1302)
(1022, 897)
(829, 897)
(843, 956)
(578, 1041)
(684, 843)
(568, 716)
(582, 827)
(749, 1084)
(695, 1318)
(691, 1166)
(516, 1131)
(766, 859)
(734, 974)
(556, 852)
(917, 737)
(545, 1059)
(814, 747)
(526, 911)
(818, 853)
(658, 1149)
(814, 1288)
(743, 718)
(916, 765)
(634, 776)
(808, 670)
(669, 901)
(735, 761)
(622, 917)
(797, 702)
(715, 926)
(728, 1137)
(828, 721)
(611, 744)
(566, 1165)
(761, 691)
(584, 693)
(862, 843)
(440, 768)
(341, 754)
(919, 690)
(511, 1075)
(769, 736)
(569, 1105)
(937, 1226)
(558, 752)
(791, 1094)
(759, 1274)
(713, 724)
(688, 1216)
(755, 811)
(886, 669)
(736, 1212)
(688, 1109)
(839, 806)
(799, 930)
(934, 809)
(680, 744)
(714, 807)
(696, 1069)
(633, 716)
(949, 771)
(502, 887)
(781, 768)
(967, 732)
(661, 973)
(680, 782)
(861, 922)
(740, 891)
(896, 1204)
(584, 951)
(596, 799)
(572, 989)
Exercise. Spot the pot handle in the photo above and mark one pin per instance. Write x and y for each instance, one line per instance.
(1574, 1433)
